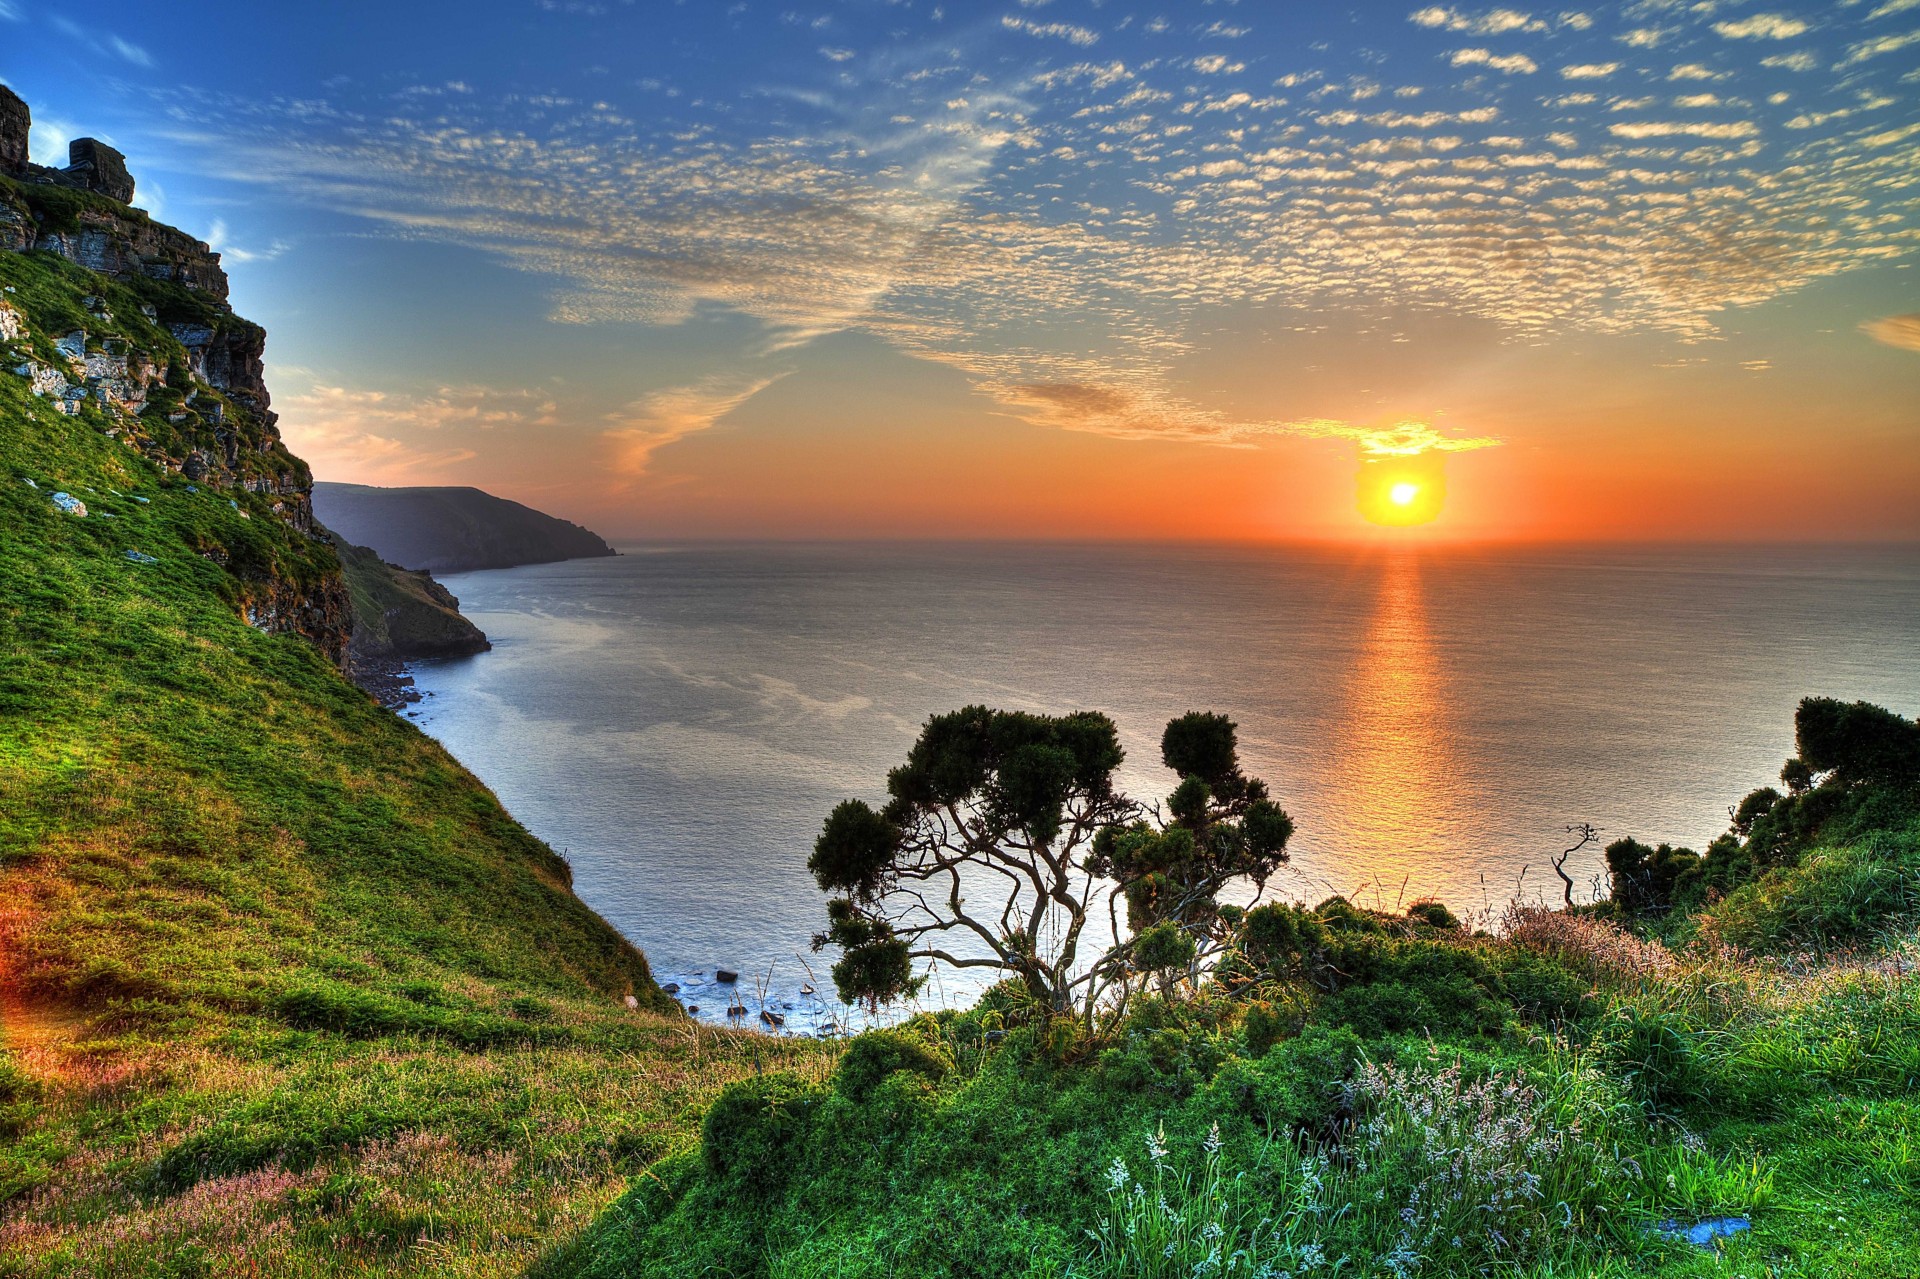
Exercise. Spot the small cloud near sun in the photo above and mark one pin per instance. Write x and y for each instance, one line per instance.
(1902, 331)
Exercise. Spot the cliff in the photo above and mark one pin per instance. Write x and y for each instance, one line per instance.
(283, 988)
(122, 323)
(402, 613)
(450, 530)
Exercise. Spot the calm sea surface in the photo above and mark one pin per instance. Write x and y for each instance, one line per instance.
(679, 719)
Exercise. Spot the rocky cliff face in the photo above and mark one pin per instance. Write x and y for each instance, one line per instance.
(156, 358)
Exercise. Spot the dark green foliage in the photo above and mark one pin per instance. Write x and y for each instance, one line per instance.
(1649, 881)
(854, 850)
(1297, 1085)
(871, 1057)
(754, 1130)
(1161, 948)
(1857, 742)
(1433, 914)
(1654, 1053)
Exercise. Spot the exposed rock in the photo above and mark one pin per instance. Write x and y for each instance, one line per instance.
(15, 123)
(70, 504)
(726, 975)
(95, 166)
(200, 408)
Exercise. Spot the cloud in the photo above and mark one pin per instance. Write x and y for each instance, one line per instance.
(1762, 26)
(1492, 22)
(1683, 128)
(1509, 62)
(1590, 70)
(661, 417)
(1874, 48)
(1900, 331)
(376, 436)
(1056, 30)
(976, 219)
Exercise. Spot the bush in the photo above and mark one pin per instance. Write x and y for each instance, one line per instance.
(1832, 898)
(1435, 988)
(1298, 1087)
(1650, 881)
(756, 1129)
(880, 1053)
(1857, 742)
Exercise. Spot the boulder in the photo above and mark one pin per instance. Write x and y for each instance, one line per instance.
(726, 975)
(97, 167)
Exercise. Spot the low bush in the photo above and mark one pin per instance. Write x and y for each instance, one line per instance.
(1835, 898)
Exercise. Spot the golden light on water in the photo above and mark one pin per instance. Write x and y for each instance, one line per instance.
(1399, 759)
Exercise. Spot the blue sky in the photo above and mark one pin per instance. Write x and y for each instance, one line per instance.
(623, 258)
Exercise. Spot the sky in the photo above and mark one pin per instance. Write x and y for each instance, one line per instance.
(1055, 268)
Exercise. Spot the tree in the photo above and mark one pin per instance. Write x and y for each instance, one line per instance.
(1857, 742)
(1002, 799)
(1026, 806)
(1223, 827)
(1587, 832)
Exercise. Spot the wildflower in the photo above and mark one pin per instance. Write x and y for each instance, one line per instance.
(1117, 1173)
(1213, 1139)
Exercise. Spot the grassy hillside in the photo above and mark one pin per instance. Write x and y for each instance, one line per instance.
(283, 990)
(1369, 1095)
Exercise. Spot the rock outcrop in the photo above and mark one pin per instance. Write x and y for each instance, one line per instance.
(162, 364)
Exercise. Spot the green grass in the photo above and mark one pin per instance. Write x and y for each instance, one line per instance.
(1197, 1138)
(282, 987)
(284, 991)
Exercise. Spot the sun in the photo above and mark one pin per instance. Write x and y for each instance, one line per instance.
(1402, 490)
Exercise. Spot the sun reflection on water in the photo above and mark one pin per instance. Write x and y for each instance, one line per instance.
(1397, 768)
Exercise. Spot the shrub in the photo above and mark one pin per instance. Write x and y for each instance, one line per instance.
(1433, 914)
(755, 1129)
(1832, 898)
(1650, 881)
(1857, 742)
(1298, 1087)
(1435, 988)
(880, 1053)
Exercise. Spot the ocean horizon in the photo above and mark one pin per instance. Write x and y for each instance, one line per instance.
(679, 719)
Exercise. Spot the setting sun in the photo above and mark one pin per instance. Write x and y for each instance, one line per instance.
(1402, 489)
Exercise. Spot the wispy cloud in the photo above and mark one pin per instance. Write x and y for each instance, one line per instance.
(1763, 26)
(1902, 331)
(1059, 230)
(380, 436)
(661, 417)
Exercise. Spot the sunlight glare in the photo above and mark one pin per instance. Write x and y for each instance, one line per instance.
(1403, 494)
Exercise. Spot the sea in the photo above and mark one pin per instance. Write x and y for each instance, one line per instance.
(679, 719)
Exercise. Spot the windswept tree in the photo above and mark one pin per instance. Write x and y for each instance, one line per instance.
(979, 858)
(1220, 827)
(1002, 833)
